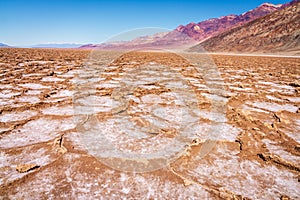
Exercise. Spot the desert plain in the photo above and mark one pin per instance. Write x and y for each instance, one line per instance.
(209, 126)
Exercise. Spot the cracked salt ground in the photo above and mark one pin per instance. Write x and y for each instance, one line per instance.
(215, 98)
(9, 161)
(63, 93)
(274, 107)
(249, 108)
(28, 99)
(293, 130)
(256, 155)
(277, 150)
(273, 87)
(62, 110)
(34, 86)
(240, 89)
(4, 95)
(36, 131)
(294, 99)
(17, 116)
(34, 92)
(273, 98)
(94, 104)
(3, 87)
(5, 102)
(212, 116)
(52, 79)
(214, 131)
(129, 137)
(276, 86)
(131, 140)
(102, 182)
(32, 75)
(247, 178)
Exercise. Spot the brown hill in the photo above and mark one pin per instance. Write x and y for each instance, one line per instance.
(276, 32)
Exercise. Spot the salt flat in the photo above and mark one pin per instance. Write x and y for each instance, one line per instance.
(148, 125)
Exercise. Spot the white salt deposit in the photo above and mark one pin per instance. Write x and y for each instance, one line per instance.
(274, 107)
(62, 110)
(36, 131)
(34, 86)
(17, 116)
(52, 79)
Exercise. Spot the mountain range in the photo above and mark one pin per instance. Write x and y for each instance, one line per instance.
(3, 45)
(48, 45)
(56, 45)
(208, 28)
(211, 32)
(277, 32)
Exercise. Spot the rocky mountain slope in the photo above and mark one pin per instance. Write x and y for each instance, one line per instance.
(207, 28)
(277, 32)
(192, 33)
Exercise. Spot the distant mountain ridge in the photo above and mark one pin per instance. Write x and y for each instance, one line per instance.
(56, 45)
(210, 27)
(3, 45)
(276, 32)
(48, 45)
(192, 33)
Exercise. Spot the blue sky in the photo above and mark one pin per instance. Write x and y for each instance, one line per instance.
(26, 22)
